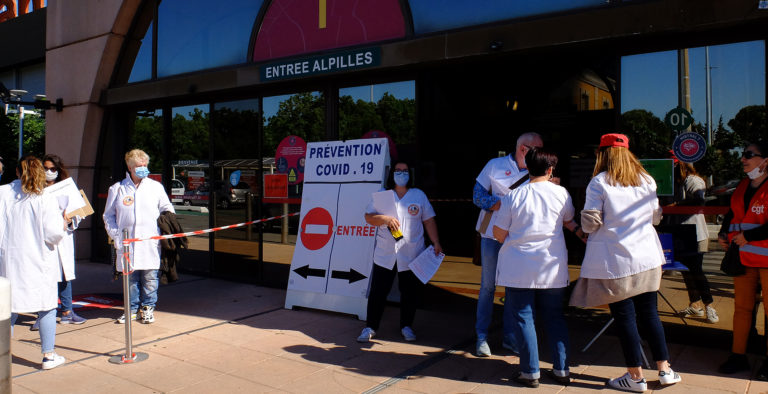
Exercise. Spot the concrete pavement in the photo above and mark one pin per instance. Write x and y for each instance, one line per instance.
(215, 336)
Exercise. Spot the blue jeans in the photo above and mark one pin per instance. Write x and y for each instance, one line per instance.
(47, 321)
(65, 295)
(489, 253)
(640, 309)
(524, 304)
(148, 295)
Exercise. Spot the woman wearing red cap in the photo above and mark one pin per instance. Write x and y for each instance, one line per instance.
(622, 263)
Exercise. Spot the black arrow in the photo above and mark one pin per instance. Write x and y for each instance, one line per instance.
(306, 271)
(351, 275)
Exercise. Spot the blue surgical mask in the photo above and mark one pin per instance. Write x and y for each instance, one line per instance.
(401, 178)
(141, 172)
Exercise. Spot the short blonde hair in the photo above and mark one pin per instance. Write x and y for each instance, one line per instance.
(134, 156)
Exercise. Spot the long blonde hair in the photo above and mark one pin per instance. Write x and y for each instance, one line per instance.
(32, 175)
(621, 166)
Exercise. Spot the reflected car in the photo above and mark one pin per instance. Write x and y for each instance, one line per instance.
(197, 197)
(228, 196)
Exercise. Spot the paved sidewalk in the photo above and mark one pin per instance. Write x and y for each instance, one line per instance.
(214, 336)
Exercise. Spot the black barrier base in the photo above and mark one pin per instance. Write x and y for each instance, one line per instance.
(121, 359)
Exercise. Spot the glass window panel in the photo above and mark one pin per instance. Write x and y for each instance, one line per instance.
(200, 34)
(142, 66)
(33, 80)
(303, 115)
(432, 16)
(235, 186)
(189, 172)
(389, 107)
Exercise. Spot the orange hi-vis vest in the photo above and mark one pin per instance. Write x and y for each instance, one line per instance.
(754, 253)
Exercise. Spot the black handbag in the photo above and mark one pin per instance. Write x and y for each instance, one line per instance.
(731, 264)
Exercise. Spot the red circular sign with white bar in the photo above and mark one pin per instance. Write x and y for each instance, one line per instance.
(316, 228)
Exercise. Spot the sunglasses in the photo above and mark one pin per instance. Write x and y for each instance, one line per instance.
(748, 154)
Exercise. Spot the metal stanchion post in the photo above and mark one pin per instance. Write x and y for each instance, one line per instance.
(5, 335)
(129, 357)
(284, 232)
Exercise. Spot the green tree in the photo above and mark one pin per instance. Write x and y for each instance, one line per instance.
(750, 124)
(302, 114)
(648, 135)
(357, 118)
(34, 140)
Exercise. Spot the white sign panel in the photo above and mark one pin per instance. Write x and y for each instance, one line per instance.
(333, 257)
(346, 161)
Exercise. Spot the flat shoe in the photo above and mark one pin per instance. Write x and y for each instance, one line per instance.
(563, 380)
(532, 383)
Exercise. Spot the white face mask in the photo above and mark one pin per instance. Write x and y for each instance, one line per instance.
(756, 173)
(51, 175)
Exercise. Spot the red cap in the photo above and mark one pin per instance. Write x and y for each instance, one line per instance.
(614, 140)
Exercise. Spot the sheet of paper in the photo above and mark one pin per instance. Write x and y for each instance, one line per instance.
(66, 190)
(384, 203)
(425, 265)
(499, 189)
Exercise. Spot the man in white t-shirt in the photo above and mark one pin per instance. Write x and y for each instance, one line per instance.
(494, 181)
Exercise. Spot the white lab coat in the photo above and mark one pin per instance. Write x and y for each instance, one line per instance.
(626, 243)
(136, 209)
(32, 226)
(65, 253)
(412, 211)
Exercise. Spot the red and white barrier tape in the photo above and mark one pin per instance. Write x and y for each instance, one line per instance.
(206, 231)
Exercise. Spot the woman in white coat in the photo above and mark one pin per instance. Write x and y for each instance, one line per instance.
(622, 263)
(134, 204)
(31, 227)
(55, 172)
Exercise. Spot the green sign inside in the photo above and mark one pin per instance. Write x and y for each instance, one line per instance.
(322, 64)
(662, 172)
(678, 119)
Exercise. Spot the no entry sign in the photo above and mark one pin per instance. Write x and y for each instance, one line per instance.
(316, 228)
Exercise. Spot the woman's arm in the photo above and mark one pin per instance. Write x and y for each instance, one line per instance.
(576, 229)
(375, 219)
(430, 226)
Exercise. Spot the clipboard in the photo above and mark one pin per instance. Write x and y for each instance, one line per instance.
(86, 210)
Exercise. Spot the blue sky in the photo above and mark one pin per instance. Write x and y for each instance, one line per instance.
(649, 81)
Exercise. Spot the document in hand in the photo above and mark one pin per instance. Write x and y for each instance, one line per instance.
(68, 196)
(425, 265)
(384, 203)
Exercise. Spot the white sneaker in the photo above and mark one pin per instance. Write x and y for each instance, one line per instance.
(626, 383)
(366, 335)
(669, 377)
(408, 334)
(482, 349)
(712, 315)
(691, 311)
(147, 314)
(53, 362)
(121, 319)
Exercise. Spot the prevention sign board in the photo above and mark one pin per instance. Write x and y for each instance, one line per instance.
(333, 257)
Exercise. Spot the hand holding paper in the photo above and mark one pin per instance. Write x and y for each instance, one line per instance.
(425, 265)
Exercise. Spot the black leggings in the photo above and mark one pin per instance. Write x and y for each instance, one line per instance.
(381, 283)
(640, 310)
(695, 280)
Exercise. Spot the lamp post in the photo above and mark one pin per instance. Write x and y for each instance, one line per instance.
(13, 97)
